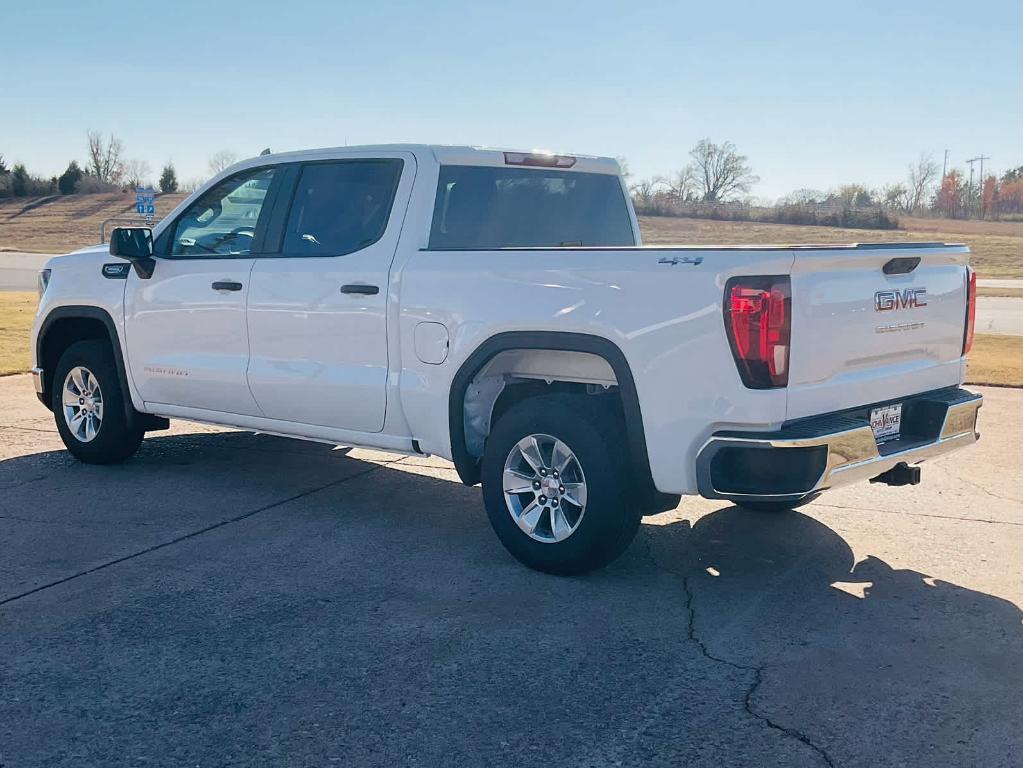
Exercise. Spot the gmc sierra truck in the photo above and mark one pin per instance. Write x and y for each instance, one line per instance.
(498, 309)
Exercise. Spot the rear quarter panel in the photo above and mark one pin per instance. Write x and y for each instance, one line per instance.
(666, 319)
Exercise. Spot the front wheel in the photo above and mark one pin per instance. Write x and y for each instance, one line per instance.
(89, 407)
(555, 484)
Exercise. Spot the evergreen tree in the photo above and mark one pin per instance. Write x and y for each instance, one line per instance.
(19, 180)
(168, 179)
(68, 181)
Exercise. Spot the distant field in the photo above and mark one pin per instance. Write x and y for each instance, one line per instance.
(996, 360)
(995, 254)
(58, 224)
(17, 310)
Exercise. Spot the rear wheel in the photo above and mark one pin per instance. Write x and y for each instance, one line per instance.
(555, 484)
(89, 407)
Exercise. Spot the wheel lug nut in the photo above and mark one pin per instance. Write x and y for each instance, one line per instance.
(536, 485)
(543, 473)
(542, 499)
(554, 502)
(561, 489)
(555, 473)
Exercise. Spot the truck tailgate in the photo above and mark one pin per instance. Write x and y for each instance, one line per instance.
(862, 336)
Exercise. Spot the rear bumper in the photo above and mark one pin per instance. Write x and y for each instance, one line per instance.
(812, 455)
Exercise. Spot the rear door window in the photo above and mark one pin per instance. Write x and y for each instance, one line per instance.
(340, 207)
(480, 207)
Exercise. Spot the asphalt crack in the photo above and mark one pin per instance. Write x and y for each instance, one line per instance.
(919, 514)
(756, 672)
(48, 431)
(758, 677)
(196, 533)
(983, 489)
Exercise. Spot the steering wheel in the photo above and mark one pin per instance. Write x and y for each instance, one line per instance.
(210, 243)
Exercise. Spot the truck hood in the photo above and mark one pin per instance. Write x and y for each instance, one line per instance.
(91, 253)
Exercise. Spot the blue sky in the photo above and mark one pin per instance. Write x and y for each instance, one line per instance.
(816, 94)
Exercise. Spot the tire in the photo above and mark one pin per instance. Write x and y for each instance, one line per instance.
(776, 507)
(102, 434)
(606, 521)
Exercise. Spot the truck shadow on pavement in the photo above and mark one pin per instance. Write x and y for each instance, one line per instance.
(256, 585)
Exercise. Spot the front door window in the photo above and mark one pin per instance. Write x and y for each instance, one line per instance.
(223, 220)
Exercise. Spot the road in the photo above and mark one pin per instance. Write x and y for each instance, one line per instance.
(999, 314)
(232, 598)
(19, 271)
(994, 282)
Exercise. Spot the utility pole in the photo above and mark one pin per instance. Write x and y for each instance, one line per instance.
(969, 207)
(979, 159)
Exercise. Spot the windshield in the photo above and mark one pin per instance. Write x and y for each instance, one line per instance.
(480, 207)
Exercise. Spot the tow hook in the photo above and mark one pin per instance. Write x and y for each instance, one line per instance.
(900, 474)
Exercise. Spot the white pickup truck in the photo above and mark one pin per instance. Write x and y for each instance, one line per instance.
(497, 309)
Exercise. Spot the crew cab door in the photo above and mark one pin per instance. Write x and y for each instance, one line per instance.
(185, 326)
(317, 310)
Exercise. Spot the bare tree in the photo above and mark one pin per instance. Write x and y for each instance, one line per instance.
(922, 175)
(722, 172)
(643, 191)
(105, 158)
(221, 160)
(853, 196)
(136, 173)
(804, 196)
(623, 165)
(896, 197)
(682, 186)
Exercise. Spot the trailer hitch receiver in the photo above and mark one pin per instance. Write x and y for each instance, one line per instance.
(900, 474)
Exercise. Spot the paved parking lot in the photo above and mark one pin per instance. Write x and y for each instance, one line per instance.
(226, 598)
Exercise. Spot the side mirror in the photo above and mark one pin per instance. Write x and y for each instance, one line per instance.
(136, 245)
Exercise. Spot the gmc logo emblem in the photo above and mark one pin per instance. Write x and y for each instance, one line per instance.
(886, 301)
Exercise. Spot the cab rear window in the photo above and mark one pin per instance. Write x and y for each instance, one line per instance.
(481, 207)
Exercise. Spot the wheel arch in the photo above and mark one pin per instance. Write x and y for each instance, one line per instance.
(468, 466)
(68, 324)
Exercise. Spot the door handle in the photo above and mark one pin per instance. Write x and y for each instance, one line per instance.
(226, 285)
(359, 288)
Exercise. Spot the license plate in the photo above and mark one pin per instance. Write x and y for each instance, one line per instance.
(886, 422)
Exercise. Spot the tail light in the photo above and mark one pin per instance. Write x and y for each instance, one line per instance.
(971, 312)
(758, 320)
